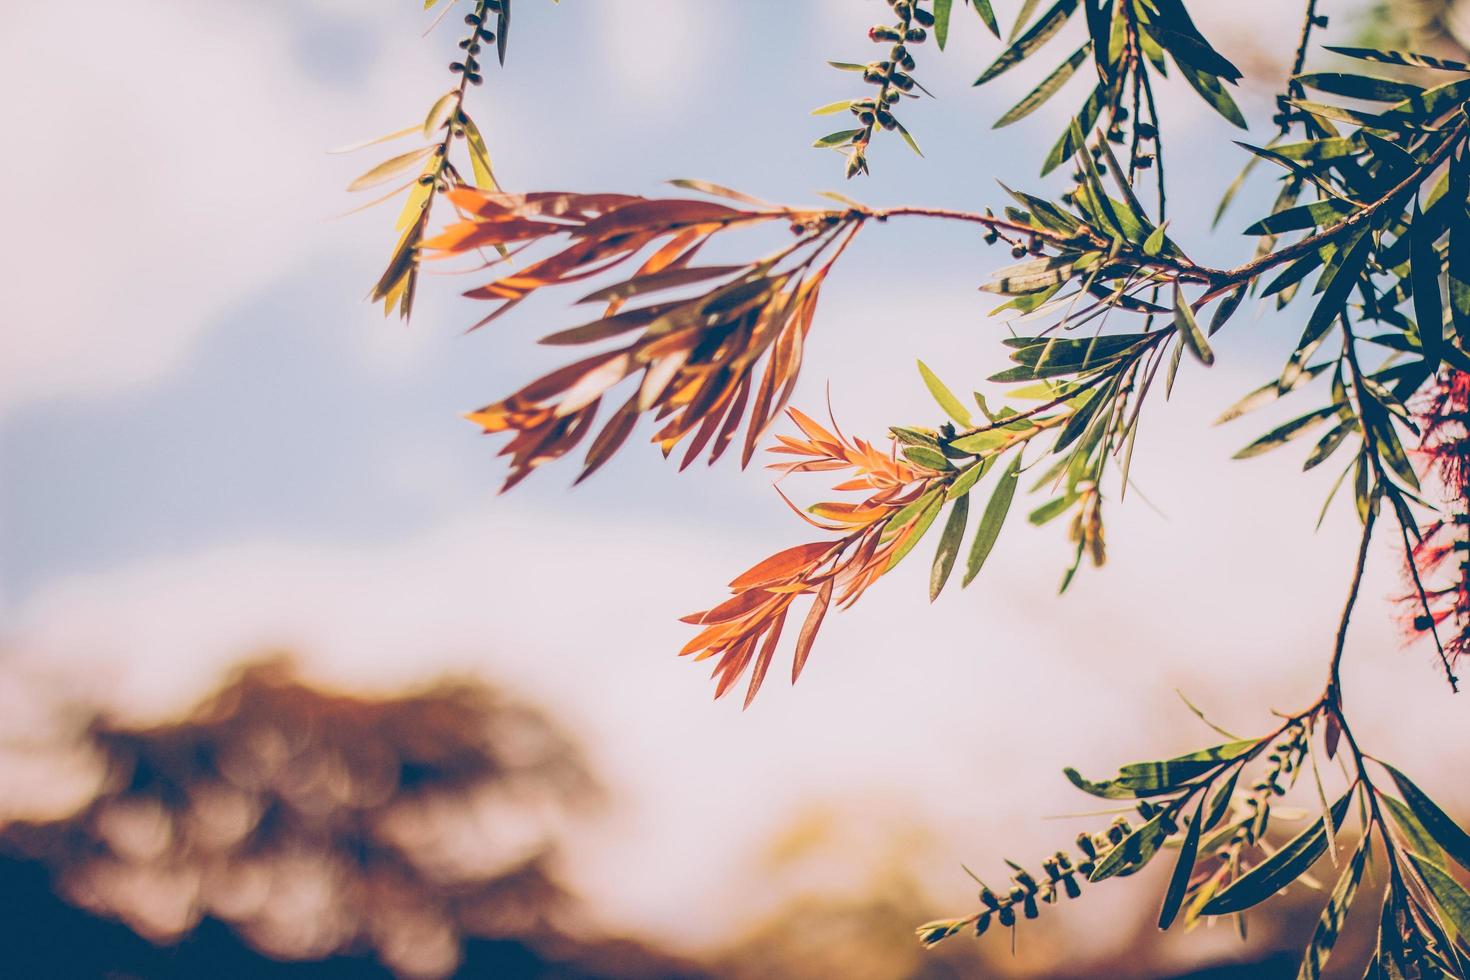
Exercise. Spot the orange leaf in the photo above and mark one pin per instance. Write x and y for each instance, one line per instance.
(809, 629)
(783, 565)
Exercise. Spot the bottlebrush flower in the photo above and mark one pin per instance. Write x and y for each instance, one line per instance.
(1441, 558)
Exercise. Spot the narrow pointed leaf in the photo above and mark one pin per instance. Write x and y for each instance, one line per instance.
(1280, 869)
(949, 546)
(993, 519)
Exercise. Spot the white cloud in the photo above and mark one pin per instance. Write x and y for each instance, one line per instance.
(165, 166)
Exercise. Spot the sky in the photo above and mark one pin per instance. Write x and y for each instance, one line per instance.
(210, 444)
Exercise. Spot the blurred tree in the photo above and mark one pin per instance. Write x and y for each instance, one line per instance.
(316, 826)
(1373, 164)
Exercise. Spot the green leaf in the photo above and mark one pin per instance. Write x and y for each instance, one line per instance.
(833, 107)
(967, 479)
(1445, 831)
(1328, 444)
(952, 406)
(1399, 58)
(1424, 275)
(1418, 839)
(1280, 869)
(1149, 777)
(907, 138)
(1048, 87)
(987, 14)
(1189, 330)
(1323, 212)
(942, 10)
(993, 519)
(1154, 243)
(1459, 254)
(1333, 916)
(1220, 802)
(1042, 31)
(1364, 87)
(1064, 148)
(1265, 395)
(1107, 790)
(1133, 851)
(1191, 52)
(1210, 89)
(1183, 867)
(927, 513)
(931, 458)
(949, 546)
(1282, 434)
(1448, 894)
(838, 138)
(1336, 283)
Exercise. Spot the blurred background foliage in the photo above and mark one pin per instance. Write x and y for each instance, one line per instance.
(281, 829)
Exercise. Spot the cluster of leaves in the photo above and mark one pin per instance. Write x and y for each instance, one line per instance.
(1388, 234)
(890, 77)
(429, 168)
(1124, 40)
(1228, 860)
(696, 357)
(1085, 391)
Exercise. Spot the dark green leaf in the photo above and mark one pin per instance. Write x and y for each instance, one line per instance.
(1329, 443)
(1048, 87)
(1448, 894)
(1133, 851)
(1042, 31)
(1183, 868)
(1399, 58)
(1107, 790)
(1210, 89)
(1173, 773)
(927, 513)
(1424, 274)
(1192, 52)
(924, 456)
(1282, 434)
(1324, 212)
(1280, 869)
(1415, 835)
(1336, 284)
(1324, 937)
(1459, 254)
(949, 546)
(1189, 330)
(1445, 831)
(1364, 87)
(993, 519)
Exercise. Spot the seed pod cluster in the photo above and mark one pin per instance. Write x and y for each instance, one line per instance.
(1062, 874)
(890, 76)
(1251, 816)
